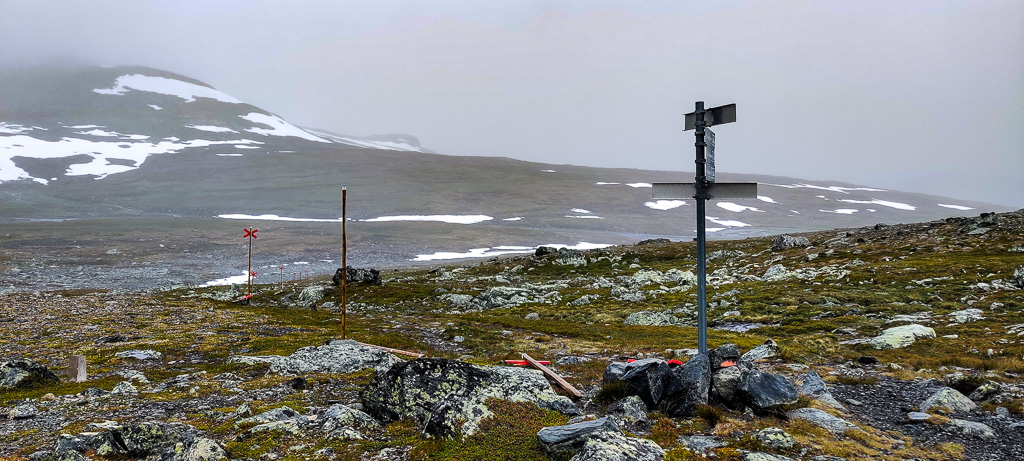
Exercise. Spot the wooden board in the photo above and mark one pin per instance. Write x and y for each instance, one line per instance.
(558, 379)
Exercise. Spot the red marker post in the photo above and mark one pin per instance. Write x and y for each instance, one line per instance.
(250, 234)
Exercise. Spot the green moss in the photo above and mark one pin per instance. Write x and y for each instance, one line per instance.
(511, 434)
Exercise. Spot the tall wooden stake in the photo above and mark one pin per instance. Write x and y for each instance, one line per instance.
(249, 273)
(344, 255)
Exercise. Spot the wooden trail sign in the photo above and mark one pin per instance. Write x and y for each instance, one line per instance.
(704, 188)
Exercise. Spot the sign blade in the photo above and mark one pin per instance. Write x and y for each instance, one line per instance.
(713, 116)
(686, 190)
(709, 168)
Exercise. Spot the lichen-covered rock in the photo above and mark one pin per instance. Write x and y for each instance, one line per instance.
(201, 449)
(125, 388)
(559, 440)
(950, 399)
(613, 372)
(613, 446)
(777, 272)
(814, 386)
(628, 295)
(967, 315)
(648, 379)
(767, 350)
(569, 257)
(290, 427)
(335, 357)
(650, 318)
(368, 276)
(644, 277)
(775, 438)
(821, 419)
(760, 456)
(1018, 277)
(311, 295)
(140, 440)
(345, 433)
(985, 391)
(689, 388)
(720, 355)
(144, 354)
(725, 386)
(767, 392)
(971, 428)
(341, 415)
(630, 412)
(786, 241)
(23, 410)
(276, 414)
(458, 301)
(450, 397)
(25, 373)
(680, 277)
(901, 336)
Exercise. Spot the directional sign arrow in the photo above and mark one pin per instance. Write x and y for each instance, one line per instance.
(718, 190)
(713, 116)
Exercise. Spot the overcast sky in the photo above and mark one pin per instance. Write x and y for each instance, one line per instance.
(924, 96)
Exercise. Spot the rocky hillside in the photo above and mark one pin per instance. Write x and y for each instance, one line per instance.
(886, 342)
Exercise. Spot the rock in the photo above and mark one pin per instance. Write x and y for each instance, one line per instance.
(777, 272)
(725, 385)
(297, 383)
(368, 276)
(568, 257)
(613, 446)
(766, 392)
(775, 438)
(701, 444)
(918, 417)
(821, 419)
(644, 277)
(815, 387)
(690, 388)
(112, 339)
(966, 315)
(23, 411)
(335, 357)
(950, 399)
(532, 316)
(767, 350)
(650, 318)
(277, 414)
(971, 428)
(722, 354)
(613, 372)
(571, 360)
(545, 251)
(627, 295)
(786, 241)
(141, 440)
(759, 456)
(125, 388)
(559, 440)
(345, 433)
(202, 449)
(337, 416)
(310, 295)
(867, 360)
(680, 277)
(985, 391)
(648, 379)
(290, 426)
(450, 397)
(458, 301)
(657, 241)
(630, 412)
(21, 374)
(901, 336)
(146, 354)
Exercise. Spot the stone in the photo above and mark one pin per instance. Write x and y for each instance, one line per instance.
(559, 440)
(345, 433)
(20, 374)
(449, 397)
(821, 419)
(967, 315)
(613, 446)
(775, 438)
(918, 417)
(355, 275)
(867, 360)
(337, 416)
(701, 444)
(950, 399)
(277, 414)
(626, 294)
(569, 257)
(1018, 277)
(725, 353)
(985, 391)
(971, 428)
(725, 385)
(297, 383)
(760, 456)
(76, 369)
(143, 439)
(532, 316)
(765, 351)
(202, 449)
(125, 388)
(613, 372)
(777, 272)
(647, 379)
(146, 354)
(545, 251)
(23, 411)
(786, 241)
(310, 296)
(901, 336)
(334, 357)
(689, 389)
(650, 318)
(767, 392)
(290, 426)
(630, 412)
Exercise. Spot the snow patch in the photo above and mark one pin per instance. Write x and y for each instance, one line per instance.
(727, 223)
(547, 171)
(580, 210)
(184, 90)
(278, 127)
(736, 208)
(517, 218)
(602, 183)
(451, 219)
(503, 250)
(956, 207)
(841, 211)
(640, 184)
(112, 134)
(211, 128)
(765, 198)
(273, 217)
(13, 128)
(664, 204)
(585, 216)
(844, 190)
(234, 280)
(229, 155)
(897, 205)
(155, 107)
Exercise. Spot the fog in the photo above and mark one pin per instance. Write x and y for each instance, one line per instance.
(924, 96)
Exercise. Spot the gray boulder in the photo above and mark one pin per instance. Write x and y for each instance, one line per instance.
(367, 276)
(901, 336)
(689, 388)
(201, 449)
(786, 241)
(613, 372)
(767, 350)
(971, 428)
(985, 391)
(137, 354)
(630, 412)
(814, 386)
(821, 419)
(277, 414)
(559, 440)
(725, 386)
(450, 397)
(25, 373)
(1018, 277)
(567, 257)
(648, 379)
(775, 438)
(760, 456)
(650, 318)
(337, 416)
(23, 410)
(613, 446)
(727, 352)
(335, 357)
(767, 392)
(950, 399)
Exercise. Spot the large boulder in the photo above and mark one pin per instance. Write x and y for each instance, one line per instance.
(651, 318)
(821, 419)
(613, 372)
(767, 350)
(786, 241)
(569, 439)
(814, 386)
(724, 354)
(450, 397)
(613, 446)
(726, 384)
(648, 379)
(630, 413)
(25, 373)
(901, 336)
(367, 276)
(689, 389)
(767, 392)
(335, 357)
(950, 399)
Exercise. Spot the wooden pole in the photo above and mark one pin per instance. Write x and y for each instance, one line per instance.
(249, 273)
(344, 255)
(393, 350)
(551, 374)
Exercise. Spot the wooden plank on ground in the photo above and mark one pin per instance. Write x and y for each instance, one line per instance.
(558, 379)
(394, 351)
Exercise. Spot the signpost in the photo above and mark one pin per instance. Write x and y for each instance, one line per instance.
(704, 188)
(250, 234)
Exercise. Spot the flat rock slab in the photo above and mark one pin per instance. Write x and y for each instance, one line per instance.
(901, 336)
(950, 399)
(767, 392)
(572, 437)
(613, 446)
(137, 354)
(821, 419)
(971, 428)
(338, 357)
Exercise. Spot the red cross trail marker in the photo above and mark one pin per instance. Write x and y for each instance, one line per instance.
(702, 189)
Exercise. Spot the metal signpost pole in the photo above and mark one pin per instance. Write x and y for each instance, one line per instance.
(701, 197)
(344, 255)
